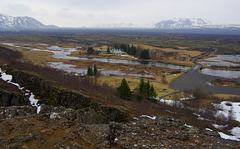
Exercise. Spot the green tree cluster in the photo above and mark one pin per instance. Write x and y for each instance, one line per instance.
(92, 71)
(144, 54)
(131, 50)
(124, 91)
(90, 50)
(146, 90)
(108, 51)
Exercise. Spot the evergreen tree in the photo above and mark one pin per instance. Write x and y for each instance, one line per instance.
(108, 51)
(90, 50)
(128, 49)
(124, 90)
(144, 54)
(90, 71)
(141, 87)
(146, 90)
(123, 47)
(95, 70)
(133, 50)
(152, 92)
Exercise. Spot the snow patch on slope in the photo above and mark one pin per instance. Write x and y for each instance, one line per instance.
(8, 79)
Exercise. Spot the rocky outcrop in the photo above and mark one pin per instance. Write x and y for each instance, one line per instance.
(16, 111)
(90, 115)
(61, 100)
(10, 95)
(49, 94)
(8, 98)
(51, 130)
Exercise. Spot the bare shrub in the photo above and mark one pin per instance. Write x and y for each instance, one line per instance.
(187, 93)
(164, 79)
(64, 79)
(200, 92)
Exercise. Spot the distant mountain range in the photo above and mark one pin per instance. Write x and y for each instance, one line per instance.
(9, 23)
(21, 23)
(192, 23)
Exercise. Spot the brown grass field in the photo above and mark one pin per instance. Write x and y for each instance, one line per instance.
(41, 58)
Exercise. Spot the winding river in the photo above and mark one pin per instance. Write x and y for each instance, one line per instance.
(63, 53)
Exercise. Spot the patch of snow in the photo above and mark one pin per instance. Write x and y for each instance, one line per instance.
(209, 129)
(228, 137)
(201, 118)
(171, 112)
(172, 103)
(115, 140)
(189, 126)
(38, 109)
(236, 132)
(227, 109)
(188, 98)
(34, 102)
(210, 84)
(219, 126)
(8, 44)
(8, 79)
(5, 77)
(147, 116)
(54, 115)
(135, 118)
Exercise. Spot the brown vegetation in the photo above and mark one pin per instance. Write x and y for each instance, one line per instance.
(226, 83)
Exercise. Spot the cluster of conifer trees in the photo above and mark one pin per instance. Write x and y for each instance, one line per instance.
(132, 50)
(92, 71)
(145, 90)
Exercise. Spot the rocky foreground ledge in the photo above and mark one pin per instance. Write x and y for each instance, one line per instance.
(58, 127)
(82, 123)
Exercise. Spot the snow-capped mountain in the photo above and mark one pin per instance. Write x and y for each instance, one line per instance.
(20, 23)
(183, 23)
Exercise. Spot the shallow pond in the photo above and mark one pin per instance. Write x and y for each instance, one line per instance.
(62, 53)
(221, 73)
(223, 60)
(72, 69)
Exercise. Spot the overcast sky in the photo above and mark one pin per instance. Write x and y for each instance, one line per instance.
(91, 13)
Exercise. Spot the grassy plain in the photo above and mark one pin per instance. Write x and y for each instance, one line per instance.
(115, 81)
(42, 57)
(226, 83)
(226, 96)
(184, 44)
(181, 50)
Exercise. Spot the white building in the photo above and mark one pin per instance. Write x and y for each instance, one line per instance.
(116, 51)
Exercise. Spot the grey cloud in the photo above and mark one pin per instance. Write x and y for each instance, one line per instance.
(19, 9)
(94, 12)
